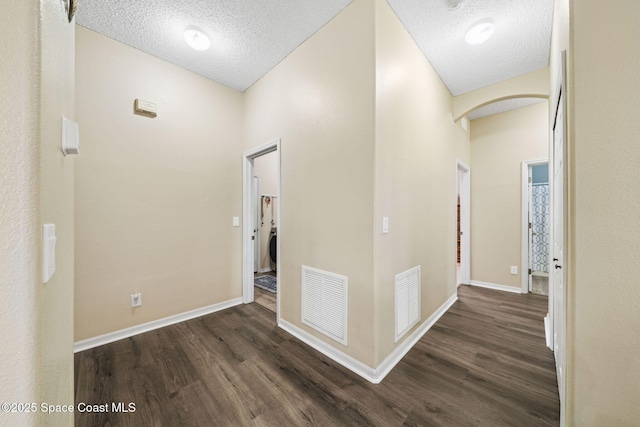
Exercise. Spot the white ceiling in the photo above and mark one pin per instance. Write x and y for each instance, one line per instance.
(519, 44)
(249, 37)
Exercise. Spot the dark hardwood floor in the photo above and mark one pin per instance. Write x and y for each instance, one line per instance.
(483, 364)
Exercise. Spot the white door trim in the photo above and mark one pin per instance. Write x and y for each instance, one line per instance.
(524, 250)
(247, 224)
(465, 221)
(256, 227)
(557, 318)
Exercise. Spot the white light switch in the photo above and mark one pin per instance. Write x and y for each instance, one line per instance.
(48, 251)
(70, 137)
(385, 225)
(514, 269)
(236, 221)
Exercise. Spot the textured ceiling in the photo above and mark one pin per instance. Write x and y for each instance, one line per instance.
(519, 44)
(249, 37)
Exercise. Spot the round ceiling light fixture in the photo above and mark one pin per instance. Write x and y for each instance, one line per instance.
(479, 32)
(196, 38)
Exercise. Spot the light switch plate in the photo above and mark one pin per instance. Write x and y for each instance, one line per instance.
(236, 221)
(514, 269)
(70, 137)
(385, 225)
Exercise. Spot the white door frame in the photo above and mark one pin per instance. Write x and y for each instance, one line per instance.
(256, 227)
(465, 221)
(247, 223)
(558, 297)
(524, 251)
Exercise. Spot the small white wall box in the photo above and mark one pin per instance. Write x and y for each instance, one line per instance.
(145, 107)
(70, 137)
(385, 225)
(48, 251)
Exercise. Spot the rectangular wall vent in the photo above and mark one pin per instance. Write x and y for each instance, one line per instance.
(407, 301)
(324, 302)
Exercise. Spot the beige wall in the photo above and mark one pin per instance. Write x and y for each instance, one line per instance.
(55, 337)
(499, 145)
(19, 213)
(320, 102)
(604, 198)
(36, 184)
(155, 197)
(266, 167)
(417, 144)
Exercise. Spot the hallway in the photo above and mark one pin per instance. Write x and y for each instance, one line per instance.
(483, 363)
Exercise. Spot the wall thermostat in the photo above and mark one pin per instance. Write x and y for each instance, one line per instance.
(145, 107)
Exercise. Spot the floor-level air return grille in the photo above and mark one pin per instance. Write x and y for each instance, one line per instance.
(324, 302)
(407, 301)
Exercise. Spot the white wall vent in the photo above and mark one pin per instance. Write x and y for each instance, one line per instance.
(407, 301)
(324, 302)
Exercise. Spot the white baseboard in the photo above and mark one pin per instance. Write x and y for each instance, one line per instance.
(373, 375)
(150, 326)
(396, 356)
(265, 270)
(331, 352)
(496, 286)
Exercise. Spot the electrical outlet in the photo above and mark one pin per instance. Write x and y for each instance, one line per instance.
(136, 299)
(514, 269)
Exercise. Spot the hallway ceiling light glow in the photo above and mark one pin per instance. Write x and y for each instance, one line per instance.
(196, 38)
(479, 32)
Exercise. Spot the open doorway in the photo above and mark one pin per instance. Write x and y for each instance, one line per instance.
(535, 227)
(261, 226)
(265, 269)
(463, 208)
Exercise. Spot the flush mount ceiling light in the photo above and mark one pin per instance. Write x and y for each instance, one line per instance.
(196, 38)
(479, 32)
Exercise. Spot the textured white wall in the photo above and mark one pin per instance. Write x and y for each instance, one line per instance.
(18, 206)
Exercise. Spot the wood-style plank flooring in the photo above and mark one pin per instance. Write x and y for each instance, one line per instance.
(484, 363)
